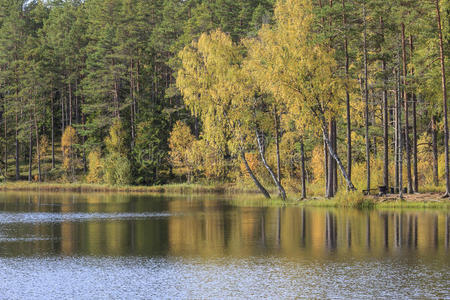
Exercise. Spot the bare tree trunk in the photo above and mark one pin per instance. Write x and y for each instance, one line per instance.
(414, 116)
(373, 124)
(77, 105)
(385, 118)
(325, 166)
(399, 132)
(132, 109)
(260, 140)
(17, 147)
(366, 99)
(83, 138)
(37, 144)
(385, 131)
(70, 102)
(30, 153)
(415, 159)
(444, 99)
(335, 156)
(396, 133)
(5, 128)
(330, 175)
(252, 175)
(435, 151)
(63, 123)
(335, 178)
(332, 167)
(53, 129)
(277, 142)
(347, 98)
(406, 106)
(302, 154)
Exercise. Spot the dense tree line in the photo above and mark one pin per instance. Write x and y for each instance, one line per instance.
(348, 94)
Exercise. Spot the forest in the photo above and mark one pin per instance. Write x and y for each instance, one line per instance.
(310, 97)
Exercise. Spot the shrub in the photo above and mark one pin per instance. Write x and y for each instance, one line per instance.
(95, 174)
(117, 170)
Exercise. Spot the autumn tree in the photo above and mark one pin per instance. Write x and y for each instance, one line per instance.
(299, 69)
(69, 141)
(117, 164)
(215, 88)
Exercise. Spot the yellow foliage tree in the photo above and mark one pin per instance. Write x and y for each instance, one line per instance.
(96, 165)
(295, 67)
(117, 166)
(68, 140)
(216, 89)
(115, 142)
(181, 143)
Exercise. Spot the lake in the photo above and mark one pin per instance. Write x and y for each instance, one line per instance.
(119, 246)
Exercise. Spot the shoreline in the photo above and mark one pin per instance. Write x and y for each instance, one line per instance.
(350, 200)
(104, 188)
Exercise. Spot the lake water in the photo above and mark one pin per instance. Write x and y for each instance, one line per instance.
(99, 246)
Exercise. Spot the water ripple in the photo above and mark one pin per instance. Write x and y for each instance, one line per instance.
(48, 217)
(168, 278)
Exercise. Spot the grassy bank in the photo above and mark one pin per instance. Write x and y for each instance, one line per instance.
(90, 188)
(342, 199)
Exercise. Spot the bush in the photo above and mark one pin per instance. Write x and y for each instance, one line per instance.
(117, 170)
(95, 174)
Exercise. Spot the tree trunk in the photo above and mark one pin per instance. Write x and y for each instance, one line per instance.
(132, 109)
(53, 130)
(397, 132)
(63, 123)
(38, 150)
(414, 117)
(325, 166)
(335, 156)
(385, 131)
(5, 128)
(406, 106)
(347, 99)
(17, 147)
(302, 154)
(330, 175)
(335, 183)
(77, 105)
(30, 153)
(277, 143)
(444, 99)
(70, 102)
(260, 140)
(252, 175)
(435, 151)
(373, 124)
(415, 159)
(366, 100)
(83, 138)
(332, 167)
(385, 118)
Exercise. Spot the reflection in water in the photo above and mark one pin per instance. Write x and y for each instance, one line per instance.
(106, 225)
(211, 247)
(447, 231)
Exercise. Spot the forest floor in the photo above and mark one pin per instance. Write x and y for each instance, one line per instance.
(412, 200)
(343, 199)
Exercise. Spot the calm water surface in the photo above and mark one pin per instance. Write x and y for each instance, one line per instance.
(98, 246)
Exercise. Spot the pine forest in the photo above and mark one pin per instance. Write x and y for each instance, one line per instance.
(287, 97)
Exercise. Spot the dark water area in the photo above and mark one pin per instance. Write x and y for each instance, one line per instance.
(118, 246)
